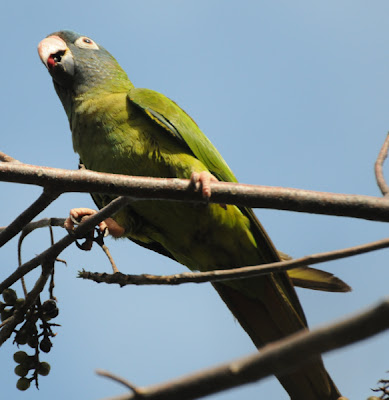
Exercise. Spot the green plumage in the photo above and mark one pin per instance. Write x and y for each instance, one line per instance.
(120, 129)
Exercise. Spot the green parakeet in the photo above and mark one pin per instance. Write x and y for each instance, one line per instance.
(120, 129)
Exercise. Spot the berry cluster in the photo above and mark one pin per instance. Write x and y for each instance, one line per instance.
(36, 332)
(25, 364)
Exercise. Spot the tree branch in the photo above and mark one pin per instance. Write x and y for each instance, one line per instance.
(237, 273)
(275, 358)
(356, 206)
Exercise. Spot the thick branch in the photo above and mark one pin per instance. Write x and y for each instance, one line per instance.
(357, 206)
(276, 358)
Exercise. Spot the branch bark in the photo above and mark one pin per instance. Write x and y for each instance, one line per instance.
(356, 206)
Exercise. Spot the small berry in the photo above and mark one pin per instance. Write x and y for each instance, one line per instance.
(23, 384)
(50, 309)
(44, 368)
(49, 305)
(9, 296)
(20, 356)
(21, 370)
(45, 345)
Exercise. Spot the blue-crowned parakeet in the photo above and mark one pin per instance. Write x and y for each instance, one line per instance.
(117, 128)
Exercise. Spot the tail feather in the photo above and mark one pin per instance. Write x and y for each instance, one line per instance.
(309, 382)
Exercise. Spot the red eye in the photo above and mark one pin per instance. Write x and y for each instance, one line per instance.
(86, 40)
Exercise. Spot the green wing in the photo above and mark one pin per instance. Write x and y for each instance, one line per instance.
(181, 126)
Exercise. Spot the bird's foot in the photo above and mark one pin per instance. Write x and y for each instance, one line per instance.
(107, 227)
(204, 179)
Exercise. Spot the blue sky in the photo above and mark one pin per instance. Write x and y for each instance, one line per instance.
(292, 94)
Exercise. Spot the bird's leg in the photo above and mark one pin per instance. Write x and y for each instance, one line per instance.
(108, 226)
(204, 178)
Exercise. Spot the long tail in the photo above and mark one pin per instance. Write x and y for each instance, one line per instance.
(259, 320)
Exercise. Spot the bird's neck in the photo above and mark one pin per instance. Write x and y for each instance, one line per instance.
(94, 116)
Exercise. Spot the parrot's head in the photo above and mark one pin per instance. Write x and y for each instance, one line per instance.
(77, 64)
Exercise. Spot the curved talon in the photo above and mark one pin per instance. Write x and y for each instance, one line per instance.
(74, 220)
(86, 246)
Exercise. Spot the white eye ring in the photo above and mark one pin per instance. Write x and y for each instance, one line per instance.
(85, 43)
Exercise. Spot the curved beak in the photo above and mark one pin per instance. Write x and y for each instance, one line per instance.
(54, 52)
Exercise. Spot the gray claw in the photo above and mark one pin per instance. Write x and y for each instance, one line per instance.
(74, 220)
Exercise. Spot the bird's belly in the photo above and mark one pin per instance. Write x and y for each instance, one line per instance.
(202, 237)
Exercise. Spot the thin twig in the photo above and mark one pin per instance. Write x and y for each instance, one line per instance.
(99, 239)
(137, 391)
(378, 167)
(110, 258)
(237, 273)
(172, 189)
(53, 251)
(274, 359)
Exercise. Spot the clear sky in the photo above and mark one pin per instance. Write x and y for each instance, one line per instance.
(292, 94)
